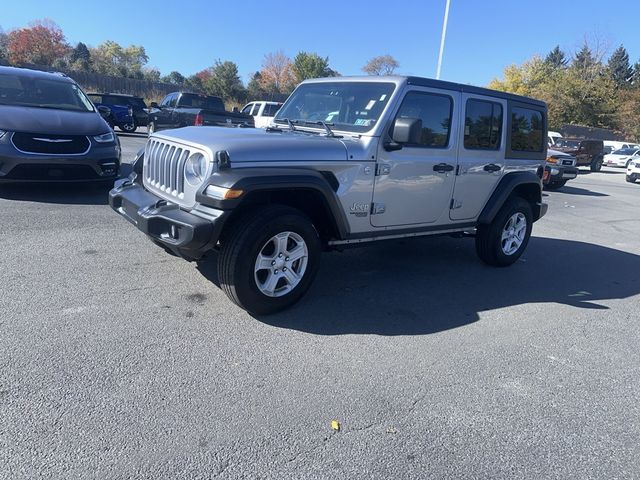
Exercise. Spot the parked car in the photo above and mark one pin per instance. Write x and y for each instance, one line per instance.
(400, 157)
(611, 145)
(262, 112)
(588, 153)
(51, 131)
(137, 110)
(118, 115)
(622, 157)
(559, 169)
(181, 109)
(553, 137)
(633, 171)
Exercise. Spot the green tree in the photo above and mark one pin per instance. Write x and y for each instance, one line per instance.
(584, 59)
(225, 81)
(255, 88)
(4, 42)
(174, 77)
(556, 58)
(381, 65)
(619, 68)
(110, 58)
(80, 58)
(310, 65)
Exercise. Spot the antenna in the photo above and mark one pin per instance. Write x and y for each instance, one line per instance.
(444, 34)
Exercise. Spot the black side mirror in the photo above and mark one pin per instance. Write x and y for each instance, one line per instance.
(407, 130)
(105, 112)
(154, 105)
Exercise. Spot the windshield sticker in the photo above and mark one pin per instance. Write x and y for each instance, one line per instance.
(370, 105)
(383, 97)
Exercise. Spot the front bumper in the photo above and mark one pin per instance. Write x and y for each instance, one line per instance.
(186, 234)
(99, 163)
(558, 173)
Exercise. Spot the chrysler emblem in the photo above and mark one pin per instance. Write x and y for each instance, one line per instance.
(53, 140)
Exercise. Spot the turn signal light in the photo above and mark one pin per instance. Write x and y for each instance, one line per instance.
(231, 194)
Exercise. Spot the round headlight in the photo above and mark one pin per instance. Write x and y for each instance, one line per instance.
(195, 169)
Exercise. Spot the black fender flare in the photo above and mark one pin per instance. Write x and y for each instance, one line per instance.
(507, 185)
(252, 180)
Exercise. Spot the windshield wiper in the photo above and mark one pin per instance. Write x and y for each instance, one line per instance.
(288, 122)
(321, 123)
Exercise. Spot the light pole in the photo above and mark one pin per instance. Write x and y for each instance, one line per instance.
(444, 34)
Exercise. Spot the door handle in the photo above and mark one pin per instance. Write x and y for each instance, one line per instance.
(492, 167)
(443, 168)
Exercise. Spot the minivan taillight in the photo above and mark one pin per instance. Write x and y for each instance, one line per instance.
(199, 121)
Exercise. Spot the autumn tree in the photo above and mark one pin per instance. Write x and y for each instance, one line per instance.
(381, 65)
(311, 65)
(110, 58)
(277, 74)
(4, 41)
(42, 43)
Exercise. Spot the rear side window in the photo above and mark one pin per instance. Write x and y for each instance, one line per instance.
(435, 112)
(247, 109)
(482, 125)
(527, 128)
(270, 110)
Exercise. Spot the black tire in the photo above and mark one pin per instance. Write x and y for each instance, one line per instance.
(555, 185)
(626, 165)
(128, 127)
(630, 178)
(596, 164)
(151, 127)
(489, 237)
(246, 240)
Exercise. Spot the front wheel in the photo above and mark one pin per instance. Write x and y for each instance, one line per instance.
(502, 242)
(128, 127)
(269, 259)
(555, 185)
(631, 178)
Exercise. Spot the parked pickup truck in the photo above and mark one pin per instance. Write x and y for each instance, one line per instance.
(180, 109)
(348, 161)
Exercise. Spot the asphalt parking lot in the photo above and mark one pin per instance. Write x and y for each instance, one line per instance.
(120, 361)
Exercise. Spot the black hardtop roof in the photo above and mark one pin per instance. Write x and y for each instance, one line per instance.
(432, 83)
(27, 72)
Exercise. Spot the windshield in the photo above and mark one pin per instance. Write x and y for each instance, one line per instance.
(27, 91)
(349, 106)
(624, 151)
(568, 143)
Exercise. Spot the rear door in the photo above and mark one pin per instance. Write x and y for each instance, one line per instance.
(481, 157)
(413, 185)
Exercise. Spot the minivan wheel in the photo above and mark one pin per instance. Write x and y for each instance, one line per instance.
(502, 242)
(269, 259)
(128, 127)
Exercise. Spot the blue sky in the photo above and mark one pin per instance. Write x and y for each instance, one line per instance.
(482, 38)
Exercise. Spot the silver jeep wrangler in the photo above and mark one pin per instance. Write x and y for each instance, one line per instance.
(347, 161)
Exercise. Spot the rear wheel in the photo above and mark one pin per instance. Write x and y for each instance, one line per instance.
(596, 164)
(504, 240)
(268, 260)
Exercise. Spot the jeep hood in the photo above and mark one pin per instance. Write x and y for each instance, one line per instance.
(51, 121)
(258, 145)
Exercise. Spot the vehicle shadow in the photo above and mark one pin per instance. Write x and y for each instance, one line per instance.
(580, 191)
(61, 193)
(430, 285)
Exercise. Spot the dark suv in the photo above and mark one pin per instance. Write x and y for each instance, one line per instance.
(136, 106)
(50, 130)
(588, 153)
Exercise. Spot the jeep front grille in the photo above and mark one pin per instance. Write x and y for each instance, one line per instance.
(164, 167)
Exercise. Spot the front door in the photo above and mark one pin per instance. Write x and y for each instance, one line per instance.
(413, 185)
(481, 154)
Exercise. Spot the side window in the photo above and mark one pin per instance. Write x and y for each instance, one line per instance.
(270, 110)
(256, 109)
(526, 130)
(96, 98)
(434, 111)
(247, 110)
(482, 125)
(173, 99)
(165, 101)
